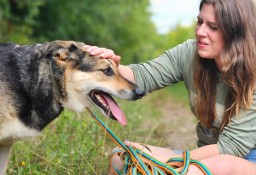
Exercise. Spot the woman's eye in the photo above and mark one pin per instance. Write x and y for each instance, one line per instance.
(213, 28)
(108, 71)
(199, 22)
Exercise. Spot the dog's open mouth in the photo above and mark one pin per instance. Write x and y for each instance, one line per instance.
(105, 102)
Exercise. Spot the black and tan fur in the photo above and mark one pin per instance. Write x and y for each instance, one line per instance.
(38, 81)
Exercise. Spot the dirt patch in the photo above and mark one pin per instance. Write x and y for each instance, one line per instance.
(176, 127)
(181, 133)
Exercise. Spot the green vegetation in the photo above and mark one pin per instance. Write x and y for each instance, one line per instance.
(74, 143)
(123, 26)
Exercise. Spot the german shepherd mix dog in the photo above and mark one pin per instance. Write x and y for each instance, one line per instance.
(38, 81)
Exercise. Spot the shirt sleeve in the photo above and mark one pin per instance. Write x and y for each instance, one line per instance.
(239, 136)
(167, 69)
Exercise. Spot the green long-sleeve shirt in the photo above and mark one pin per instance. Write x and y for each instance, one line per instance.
(176, 65)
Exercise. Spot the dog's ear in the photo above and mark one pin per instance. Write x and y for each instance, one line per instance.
(60, 54)
(73, 48)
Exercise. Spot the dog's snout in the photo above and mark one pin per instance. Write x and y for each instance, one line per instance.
(139, 93)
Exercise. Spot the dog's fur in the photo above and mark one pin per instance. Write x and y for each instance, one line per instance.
(38, 81)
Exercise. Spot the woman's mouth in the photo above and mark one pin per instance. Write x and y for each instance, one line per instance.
(202, 44)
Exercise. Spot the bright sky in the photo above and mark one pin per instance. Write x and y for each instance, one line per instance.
(167, 13)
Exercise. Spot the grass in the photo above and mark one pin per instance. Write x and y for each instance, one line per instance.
(74, 144)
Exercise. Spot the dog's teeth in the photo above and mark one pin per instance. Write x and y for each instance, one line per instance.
(100, 99)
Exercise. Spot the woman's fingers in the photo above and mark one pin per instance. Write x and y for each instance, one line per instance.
(103, 53)
(139, 146)
(107, 54)
(116, 59)
(86, 46)
(133, 144)
(161, 154)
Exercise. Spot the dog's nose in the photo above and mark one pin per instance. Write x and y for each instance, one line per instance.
(139, 93)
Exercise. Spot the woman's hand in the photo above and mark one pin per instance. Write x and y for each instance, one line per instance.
(125, 71)
(103, 53)
(159, 153)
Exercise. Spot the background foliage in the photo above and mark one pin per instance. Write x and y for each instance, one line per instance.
(73, 144)
(123, 26)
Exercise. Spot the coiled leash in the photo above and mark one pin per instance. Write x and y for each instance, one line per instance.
(137, 162)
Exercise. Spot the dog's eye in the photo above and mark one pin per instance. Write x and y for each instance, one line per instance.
(108, 71)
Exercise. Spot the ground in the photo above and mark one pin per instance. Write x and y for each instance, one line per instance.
(182, 132)
(176, 126)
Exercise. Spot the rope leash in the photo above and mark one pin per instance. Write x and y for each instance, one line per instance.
(137, 162)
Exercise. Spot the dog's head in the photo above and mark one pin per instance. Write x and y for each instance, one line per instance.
(81, 80)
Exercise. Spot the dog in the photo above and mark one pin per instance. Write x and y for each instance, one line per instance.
(38, 81)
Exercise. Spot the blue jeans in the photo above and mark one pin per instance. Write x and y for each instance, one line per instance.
(251, 156)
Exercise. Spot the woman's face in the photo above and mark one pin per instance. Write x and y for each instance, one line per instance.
(209, 39)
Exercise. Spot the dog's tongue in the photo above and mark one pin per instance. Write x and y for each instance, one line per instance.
(116, 111)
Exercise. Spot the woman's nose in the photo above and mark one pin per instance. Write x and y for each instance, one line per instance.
(201, 30)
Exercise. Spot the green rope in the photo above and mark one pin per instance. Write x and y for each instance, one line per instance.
(137, 162)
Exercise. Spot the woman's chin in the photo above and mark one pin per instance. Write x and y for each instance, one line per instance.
(204, 54)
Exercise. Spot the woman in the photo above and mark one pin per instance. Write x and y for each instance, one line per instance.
(219, 71)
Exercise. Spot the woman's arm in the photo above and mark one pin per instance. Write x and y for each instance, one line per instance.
(174, 65)
(204, 152)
